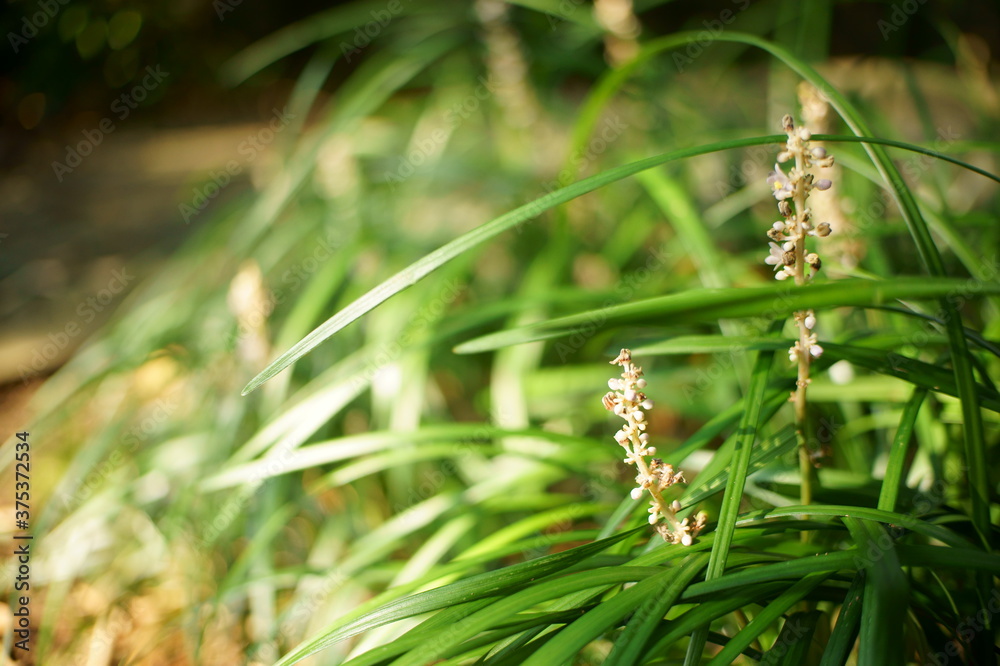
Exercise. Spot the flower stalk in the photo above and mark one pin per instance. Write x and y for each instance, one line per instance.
(790, 259)
(627, 400)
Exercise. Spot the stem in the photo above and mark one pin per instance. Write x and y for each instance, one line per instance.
(802, 380)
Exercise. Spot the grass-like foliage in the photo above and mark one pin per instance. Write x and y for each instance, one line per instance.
(419, 310)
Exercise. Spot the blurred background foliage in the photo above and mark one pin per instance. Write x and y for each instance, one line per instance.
(179, 522)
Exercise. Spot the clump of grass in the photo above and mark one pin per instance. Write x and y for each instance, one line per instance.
(397, 485)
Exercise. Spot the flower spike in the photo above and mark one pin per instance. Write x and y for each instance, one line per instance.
(627, 400)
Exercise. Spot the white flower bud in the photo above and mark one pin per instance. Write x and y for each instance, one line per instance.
(804, 134)
(652, 518)
(629, 395)
(823, 184)
(675, 505)
(651, 450)
(614, 384)
(686, 540)
(639, 416)
(621, 436)
(644, 438)
(810, 322)
(815, 351)
(641, 383)
(819, 152)
(647, 404)
(778, 226)
(636, 493)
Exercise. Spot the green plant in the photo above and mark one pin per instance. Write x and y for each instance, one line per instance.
(423, 477)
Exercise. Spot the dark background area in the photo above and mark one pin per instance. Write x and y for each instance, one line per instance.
(76, 65)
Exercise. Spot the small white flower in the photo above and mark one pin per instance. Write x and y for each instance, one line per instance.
(639, 416)
(647, 404)
(636, 493)
(810, 321)
(614, 384)
(823, 184)
(780, 185)
(641, 383)
(815, 351)
(775, 258)
(630, 395)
